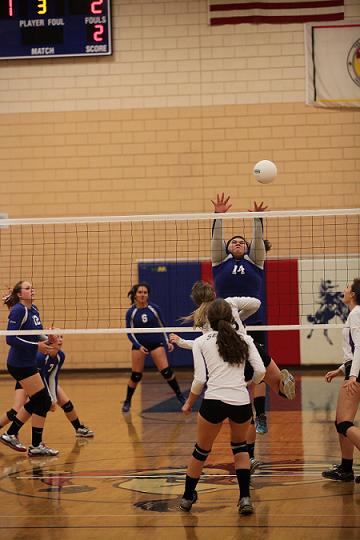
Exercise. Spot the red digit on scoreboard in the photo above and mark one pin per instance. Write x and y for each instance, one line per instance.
(11, 11)
(98, 35)
(96, 7)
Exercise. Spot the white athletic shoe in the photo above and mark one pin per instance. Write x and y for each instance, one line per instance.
(42, 450)
(84, 431)
(287, 384)
(12, 442)
(254, 464)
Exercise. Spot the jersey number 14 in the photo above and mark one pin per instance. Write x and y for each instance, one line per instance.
(238, 269)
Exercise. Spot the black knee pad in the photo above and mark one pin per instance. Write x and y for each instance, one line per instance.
(200, 454)
(68, 407)
(342, 427)
(136, 376)
(11, 414)
(29, 407)
(41, 402)
(167, 373)
(237, 447)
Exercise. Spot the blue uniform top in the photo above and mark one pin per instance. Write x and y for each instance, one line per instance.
(23, 348)
(49, 367)
(147, 317)
(240, 277)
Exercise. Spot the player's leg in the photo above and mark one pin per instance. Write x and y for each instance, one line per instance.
(137, 369)
(345, 413)
(207, 432)
(281, 382)
(37, 407)
(70, 412)
(239, 431)
(20, 399)
(161, 362)
(259, 393)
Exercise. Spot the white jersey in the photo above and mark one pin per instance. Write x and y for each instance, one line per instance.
(351, 341)
(241, 307)
(225, 382)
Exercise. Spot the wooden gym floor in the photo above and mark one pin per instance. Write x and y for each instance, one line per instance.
(126, 482)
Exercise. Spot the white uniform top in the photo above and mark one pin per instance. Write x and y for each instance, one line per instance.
(351, 342)
(225, 382)
(241, 307)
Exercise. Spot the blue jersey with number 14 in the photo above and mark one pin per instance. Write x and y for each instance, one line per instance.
(239, 278)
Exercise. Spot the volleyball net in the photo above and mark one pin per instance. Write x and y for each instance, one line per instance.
(82, 268)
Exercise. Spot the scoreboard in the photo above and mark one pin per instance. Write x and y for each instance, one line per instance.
(47, 28)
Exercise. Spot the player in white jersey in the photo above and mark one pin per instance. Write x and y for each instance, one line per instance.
(219, 361)
(281, 382)
(349, 393)
(202, 294)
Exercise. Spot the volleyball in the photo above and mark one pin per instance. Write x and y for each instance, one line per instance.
(265, 171)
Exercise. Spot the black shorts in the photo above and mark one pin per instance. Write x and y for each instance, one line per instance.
(20, 373)
(347, 372)
(266, 359)
(258, 336)
(149, 347)
(216, 411)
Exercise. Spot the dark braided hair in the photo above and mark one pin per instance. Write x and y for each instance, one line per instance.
(232, 348)
(355, 287)
(134, 289)
(12, 298)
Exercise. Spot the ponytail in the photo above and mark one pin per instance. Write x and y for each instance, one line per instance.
(12, 297)
(232, 348)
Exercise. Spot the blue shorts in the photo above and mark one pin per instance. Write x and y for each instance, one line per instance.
(150, 346)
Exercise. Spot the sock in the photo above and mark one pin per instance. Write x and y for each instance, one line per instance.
(347, 465)
(251, 449)
(129, 393)
(174, 385)
(76, 423)
(243, 478)
(190, 485)
(259, 404)
(36, 436)
(15, 427)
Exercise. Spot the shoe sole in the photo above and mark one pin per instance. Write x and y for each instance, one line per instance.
(42, 455)
(246, 511)
(289, 386)
(13, 447)
(84, 436)
(339, 479)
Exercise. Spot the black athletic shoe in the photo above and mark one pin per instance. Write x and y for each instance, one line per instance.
(337, 473)
(126, 406)
(186, 504)
(245, 506)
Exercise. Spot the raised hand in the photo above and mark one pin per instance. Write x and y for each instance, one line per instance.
(221, 205)
(258, 207)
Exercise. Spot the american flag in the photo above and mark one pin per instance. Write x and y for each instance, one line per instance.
(274, 12)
